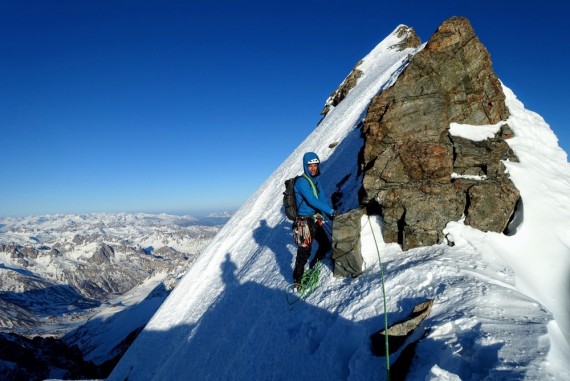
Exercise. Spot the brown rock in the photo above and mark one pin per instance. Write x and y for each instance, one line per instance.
(409, 157)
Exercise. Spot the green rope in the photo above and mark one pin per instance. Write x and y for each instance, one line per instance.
(309, 283)
(385, 308)
(310, 279)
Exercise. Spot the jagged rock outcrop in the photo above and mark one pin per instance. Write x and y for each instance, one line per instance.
(418, 174)
(421, 175)
(103, 254)
(339, 94)
(19, 251)
(399, 332)
(410, 40)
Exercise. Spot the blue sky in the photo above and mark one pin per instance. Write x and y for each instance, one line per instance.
(187, 106)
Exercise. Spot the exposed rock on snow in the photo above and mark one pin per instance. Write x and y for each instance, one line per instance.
(410, 158)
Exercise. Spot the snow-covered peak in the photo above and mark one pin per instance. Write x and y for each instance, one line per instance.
(229, 317)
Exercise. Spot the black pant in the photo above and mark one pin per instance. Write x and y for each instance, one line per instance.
(303, 253)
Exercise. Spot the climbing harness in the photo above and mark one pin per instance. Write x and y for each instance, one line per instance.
(302, 232)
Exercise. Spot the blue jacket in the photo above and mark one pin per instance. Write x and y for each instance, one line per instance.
(307, 203)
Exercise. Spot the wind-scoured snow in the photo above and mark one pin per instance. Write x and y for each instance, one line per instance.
(501, 303)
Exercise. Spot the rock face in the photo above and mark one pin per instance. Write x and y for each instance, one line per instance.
(346, 244)
(410, 40)
(339, 94)
(103, 255)
(421, 175)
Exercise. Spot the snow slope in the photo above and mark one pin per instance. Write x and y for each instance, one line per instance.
(501, 303)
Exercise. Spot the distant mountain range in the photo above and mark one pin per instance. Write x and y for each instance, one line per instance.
(91, 280)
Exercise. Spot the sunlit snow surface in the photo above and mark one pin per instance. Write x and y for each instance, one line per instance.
(501, 306)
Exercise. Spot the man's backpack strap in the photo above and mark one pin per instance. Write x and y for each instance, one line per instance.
(312, 185)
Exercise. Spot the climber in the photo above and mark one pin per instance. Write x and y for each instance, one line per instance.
(312, 206)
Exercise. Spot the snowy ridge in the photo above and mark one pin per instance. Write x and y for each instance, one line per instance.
(228, 317)
(262, 206)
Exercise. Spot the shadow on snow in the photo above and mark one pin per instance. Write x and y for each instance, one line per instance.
(250, 332)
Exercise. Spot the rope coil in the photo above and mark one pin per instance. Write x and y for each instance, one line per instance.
(308, 284)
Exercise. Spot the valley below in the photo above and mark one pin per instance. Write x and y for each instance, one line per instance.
(75, 290)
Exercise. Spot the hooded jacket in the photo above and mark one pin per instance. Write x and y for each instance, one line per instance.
(307, 203)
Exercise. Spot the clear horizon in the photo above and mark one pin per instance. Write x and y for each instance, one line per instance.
(175, 107)
(200, 214)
